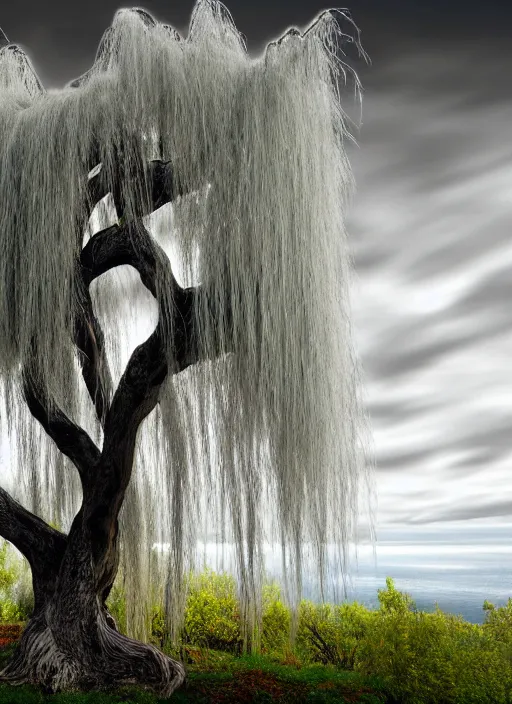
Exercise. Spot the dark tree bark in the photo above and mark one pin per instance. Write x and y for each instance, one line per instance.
(71, 641)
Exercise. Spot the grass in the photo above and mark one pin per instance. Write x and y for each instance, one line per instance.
(219, 678)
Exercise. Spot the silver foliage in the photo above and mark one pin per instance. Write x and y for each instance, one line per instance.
(268, 441)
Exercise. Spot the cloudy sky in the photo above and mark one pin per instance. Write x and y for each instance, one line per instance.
(428, 226)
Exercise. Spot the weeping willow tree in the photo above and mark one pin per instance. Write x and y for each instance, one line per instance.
(214, 184)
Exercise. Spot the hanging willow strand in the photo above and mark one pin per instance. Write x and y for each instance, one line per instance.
(266, 439)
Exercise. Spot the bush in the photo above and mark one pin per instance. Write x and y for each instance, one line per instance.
(10, 612)
(423, 658)
(276, 621)
(393, 601)
(498, 622)
(15, 603)
(432, 658)
(212, 618)
(8, 573)
(331, 634)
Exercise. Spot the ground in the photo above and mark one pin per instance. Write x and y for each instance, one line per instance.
(218, 678)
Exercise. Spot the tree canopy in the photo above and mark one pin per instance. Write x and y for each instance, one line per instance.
(257, 428)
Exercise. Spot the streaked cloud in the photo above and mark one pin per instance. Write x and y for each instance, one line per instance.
(431, 230)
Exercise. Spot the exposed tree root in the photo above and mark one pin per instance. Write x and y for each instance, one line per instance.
(119, 661)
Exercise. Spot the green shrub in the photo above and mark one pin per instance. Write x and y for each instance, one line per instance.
(393, 601)
(276, 621)
(116, 604)
(432, 658)
(423, 658)
(212, 618)
(10, 612)
(8, 572)
(331, 634)
(498, 622)
(16, 599)
(410, 652)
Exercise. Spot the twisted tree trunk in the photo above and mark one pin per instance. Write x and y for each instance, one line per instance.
(71, 641)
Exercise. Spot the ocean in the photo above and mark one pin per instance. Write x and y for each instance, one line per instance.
(459, 569)
(457, 566)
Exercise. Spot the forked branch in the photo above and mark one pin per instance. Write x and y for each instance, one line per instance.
(70, 439)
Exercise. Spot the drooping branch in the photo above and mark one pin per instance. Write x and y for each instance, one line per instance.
(39, 543)
(3, 39)
(128, 244)
(132, 244)
(70, 439)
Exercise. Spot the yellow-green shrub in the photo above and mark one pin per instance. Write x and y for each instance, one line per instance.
(8, 572)
(434, 658)
(10, 612)
(498, 622)
(14, 606)
(275, 621)
(411, 652)
(331, 634)
(393, 601)
(212, 617)
(116, 604)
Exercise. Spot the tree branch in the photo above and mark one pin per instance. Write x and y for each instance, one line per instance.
(133, 245)
(138, 390)
(163, 186)
(128, 244)
(90, 342)
(137, 393)
(134, 249)
(3, 39)
(135, 397)
(71, 440)
(42, 545)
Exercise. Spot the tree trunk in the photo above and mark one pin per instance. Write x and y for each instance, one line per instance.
(71, 643)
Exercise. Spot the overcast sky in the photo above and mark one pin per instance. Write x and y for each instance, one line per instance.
(430, 227)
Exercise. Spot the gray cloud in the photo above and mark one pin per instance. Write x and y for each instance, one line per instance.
(430, 230)
(403, 461)
(463, 513)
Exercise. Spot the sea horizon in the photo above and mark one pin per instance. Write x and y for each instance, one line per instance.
(456, 566)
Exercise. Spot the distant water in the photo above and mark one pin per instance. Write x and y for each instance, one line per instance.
(458, 567)
(458, 571)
